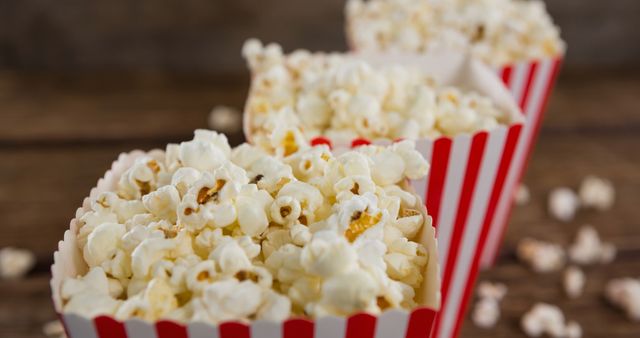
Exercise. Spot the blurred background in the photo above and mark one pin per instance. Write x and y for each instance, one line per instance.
(81, 81)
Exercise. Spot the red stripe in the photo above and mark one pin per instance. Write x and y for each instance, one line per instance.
(503, 169)
(531, 141)
(437, 176)
(361, 325)
(420, 323)
(320, 140)
(476, 153)
(107, 327)
(527, 89)
(234, 330)
(506, 75)
(297, 328)
(360, 142)
(169, 329)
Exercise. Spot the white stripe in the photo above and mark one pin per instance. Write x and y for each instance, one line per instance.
(451, 195)
(518, 80)
(468, 246)
(80, 326)
(266, 329)
(139, 329)
(542, 78)
(330, 327)
(392, 324)
(425, 147)
(202, 330)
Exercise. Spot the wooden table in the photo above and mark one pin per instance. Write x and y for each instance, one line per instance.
(59, 134)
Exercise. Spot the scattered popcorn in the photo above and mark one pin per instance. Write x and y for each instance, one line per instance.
(498, 31)
(522, 195)
(54, 329)
(225, 119)
(15, 263)
(596, 193)
(495, 291)
(588, 248)
(486, 312)
(203, 232)
(625, 294)
(563, 203)
(343, 97)
(541, 256)
(549, 319)
(573, 281)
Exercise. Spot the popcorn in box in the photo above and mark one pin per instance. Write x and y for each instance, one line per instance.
(468, 172)
(517, 38)
(206, 241)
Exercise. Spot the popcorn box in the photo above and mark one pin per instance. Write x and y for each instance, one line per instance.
(68, 262)
(531, 84)
(467, 179)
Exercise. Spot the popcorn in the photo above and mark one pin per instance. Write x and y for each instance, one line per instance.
(563, 203)
(625, 294)
(548, 319)
(497, 32)
(596, 193)
(573, 281)
(344, 97)
(486, 312)
(589, 249)
(201, 232)
(541, 256)
(54, 328)
(522, 195)
(15, 263)
(225, 119)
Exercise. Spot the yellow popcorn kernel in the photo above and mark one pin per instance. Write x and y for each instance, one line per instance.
(408, 212)
(289, 143)
(206, 194)
(360, 222)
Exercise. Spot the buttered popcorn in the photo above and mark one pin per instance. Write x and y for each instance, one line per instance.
(203, 232)
(344, 97)
(498, 32)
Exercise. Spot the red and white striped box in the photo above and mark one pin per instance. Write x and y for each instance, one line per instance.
(531, 84)
(68, 262)
(466, 182)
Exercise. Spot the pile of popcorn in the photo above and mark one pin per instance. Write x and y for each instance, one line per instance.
(498, 32)
(343, 97)
(204, 232)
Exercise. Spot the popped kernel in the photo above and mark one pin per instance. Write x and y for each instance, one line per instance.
(220, 234)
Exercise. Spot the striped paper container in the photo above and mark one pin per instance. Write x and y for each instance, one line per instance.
(531, 84)
(466, 182)
(418, 323)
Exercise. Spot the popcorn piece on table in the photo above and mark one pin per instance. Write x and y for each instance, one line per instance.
(15, 263)
(522, 195)
(343, 97)
(203, 232)
(625, 294)
(497, 32)
(588, 248)
(597, 193)
(541, 256)
(573, 281)
(549, 319)
(563, 204)
(225, 119)
(486, 311)
(54, 329)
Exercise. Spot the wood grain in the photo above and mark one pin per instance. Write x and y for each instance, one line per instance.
(203, 36)
(58, 135)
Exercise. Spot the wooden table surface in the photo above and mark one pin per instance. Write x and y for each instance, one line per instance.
(59, 134)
